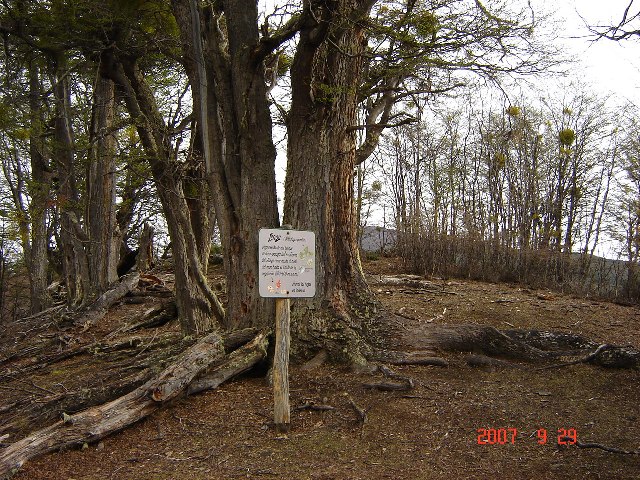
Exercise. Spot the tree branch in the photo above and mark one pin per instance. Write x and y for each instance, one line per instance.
(269, 43)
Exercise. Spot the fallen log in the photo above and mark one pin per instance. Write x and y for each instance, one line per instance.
(237, 362)
(175, 379)
(96, 311)
(160, 293)
(237, 338)
(124, 365)
(38, 412)
(98, 422)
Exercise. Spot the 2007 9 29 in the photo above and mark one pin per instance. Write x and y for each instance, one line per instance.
(503, 436)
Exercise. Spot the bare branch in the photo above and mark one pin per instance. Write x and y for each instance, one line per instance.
(269, 43)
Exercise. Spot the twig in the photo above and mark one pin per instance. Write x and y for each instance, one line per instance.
(606, 448)
(313, 406)
(437, 317)
(148, 345)
(362, 414)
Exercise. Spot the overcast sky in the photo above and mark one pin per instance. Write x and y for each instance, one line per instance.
(608, 66)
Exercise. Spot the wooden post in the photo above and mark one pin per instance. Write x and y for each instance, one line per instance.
(286, 259)
(281, 413)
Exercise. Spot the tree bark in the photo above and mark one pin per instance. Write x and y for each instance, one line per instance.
(230, 102)
(104, 238)
(36, 255)
(319, 186)
(75, 262)
(256, 156)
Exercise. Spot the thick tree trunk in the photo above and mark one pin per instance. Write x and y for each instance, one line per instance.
(104, 238)
(257, 206)
(230, 102)
(40, 177)
(319, 185)
(75, 262)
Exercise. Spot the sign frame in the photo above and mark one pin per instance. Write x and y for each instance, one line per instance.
(286, 263)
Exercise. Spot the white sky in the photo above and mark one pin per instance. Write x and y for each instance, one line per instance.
(607, 66)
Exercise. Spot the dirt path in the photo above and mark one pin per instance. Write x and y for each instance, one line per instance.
(430, 432)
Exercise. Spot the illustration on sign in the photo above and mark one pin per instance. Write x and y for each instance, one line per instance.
(286, 263)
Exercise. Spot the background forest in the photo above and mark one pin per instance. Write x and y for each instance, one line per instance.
(101, 144)
(536, 190)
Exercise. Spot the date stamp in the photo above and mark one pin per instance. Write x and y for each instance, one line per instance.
(509, 436)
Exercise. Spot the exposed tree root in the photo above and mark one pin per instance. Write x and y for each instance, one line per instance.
(552, 340)
(320, 358)
(389, 386)
(315, 407)
(408, 358)
(360, 412)
(530, 346)
(483, 361)
(609, 356)
(398, 383)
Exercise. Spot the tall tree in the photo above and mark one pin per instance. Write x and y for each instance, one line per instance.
(350, 53)
(40, 185)
(104, 235)
(224, 59)
(325, 76)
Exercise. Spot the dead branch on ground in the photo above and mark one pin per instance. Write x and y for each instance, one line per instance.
(96, 423)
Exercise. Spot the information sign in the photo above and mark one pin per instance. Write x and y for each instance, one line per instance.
(287, 263)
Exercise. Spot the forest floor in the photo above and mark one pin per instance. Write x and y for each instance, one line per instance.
(429, 432)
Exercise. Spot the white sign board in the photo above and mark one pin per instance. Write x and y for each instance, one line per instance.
(287, 260)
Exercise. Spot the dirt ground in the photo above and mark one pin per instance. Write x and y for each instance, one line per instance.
(429, 432)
